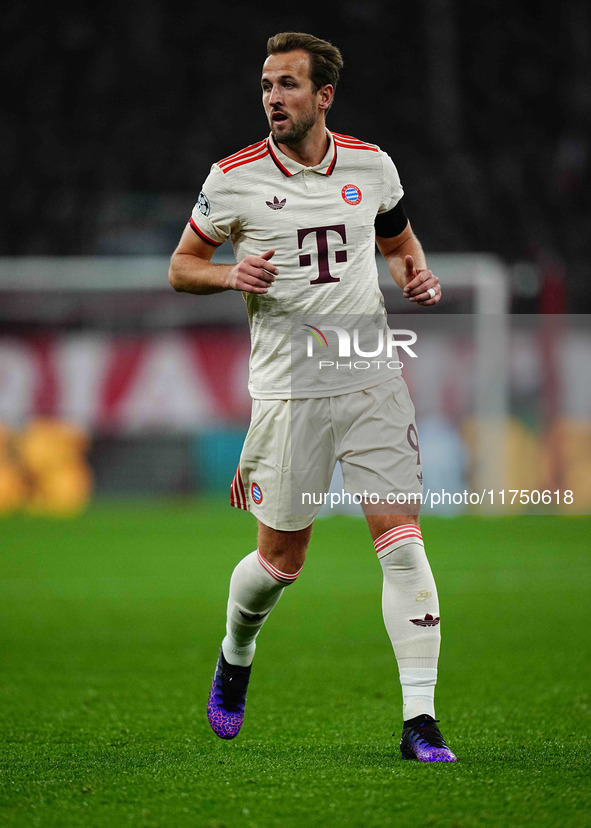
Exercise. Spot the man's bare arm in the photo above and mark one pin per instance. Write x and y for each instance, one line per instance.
(408, 266)
(191, 270)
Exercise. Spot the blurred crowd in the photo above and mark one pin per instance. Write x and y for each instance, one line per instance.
(114, 112)
(43, 468)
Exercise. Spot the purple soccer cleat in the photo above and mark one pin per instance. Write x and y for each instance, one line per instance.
(422, 740)
(227, 697)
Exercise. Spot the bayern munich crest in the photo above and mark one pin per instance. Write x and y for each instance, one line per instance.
(256, 493)
(351, 194)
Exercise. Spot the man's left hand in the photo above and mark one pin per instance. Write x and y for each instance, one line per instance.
(419, 283)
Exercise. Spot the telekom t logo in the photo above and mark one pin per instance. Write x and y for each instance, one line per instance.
(321, 233)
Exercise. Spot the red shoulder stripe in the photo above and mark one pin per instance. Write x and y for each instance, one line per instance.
(344, 137)
(245, 160)
(246, 151)
(356, 146)
(348, 140)
(239, 158)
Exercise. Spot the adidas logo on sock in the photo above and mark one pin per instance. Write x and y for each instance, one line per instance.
(427, 621)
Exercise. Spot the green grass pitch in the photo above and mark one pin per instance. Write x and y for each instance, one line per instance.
(110, 625)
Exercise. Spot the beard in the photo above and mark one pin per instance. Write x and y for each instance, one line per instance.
(298, 131)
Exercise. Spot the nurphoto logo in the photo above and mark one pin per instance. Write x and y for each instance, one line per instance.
(378, 348)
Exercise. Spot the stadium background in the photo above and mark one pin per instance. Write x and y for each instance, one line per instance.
(112, 117)
(123, 405)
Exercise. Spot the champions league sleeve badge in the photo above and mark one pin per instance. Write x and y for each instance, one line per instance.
(203, 203)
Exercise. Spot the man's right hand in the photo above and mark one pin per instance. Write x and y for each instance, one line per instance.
(192, 271)
(254, 274)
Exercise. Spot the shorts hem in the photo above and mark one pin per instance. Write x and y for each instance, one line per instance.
(294, 523)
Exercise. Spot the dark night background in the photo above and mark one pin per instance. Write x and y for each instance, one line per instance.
(114, 112)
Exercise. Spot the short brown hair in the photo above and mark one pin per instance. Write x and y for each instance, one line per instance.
(326, 60)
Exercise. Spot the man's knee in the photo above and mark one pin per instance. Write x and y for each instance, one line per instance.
(286, 551)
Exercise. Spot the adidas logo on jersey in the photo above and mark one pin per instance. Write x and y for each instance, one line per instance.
(276, 204)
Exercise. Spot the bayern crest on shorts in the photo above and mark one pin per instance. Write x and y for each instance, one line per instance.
(256, 493)
(351, 194)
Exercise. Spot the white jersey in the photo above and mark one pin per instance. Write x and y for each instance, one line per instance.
(320, 222)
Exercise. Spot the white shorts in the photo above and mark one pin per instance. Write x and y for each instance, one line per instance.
(292, 447)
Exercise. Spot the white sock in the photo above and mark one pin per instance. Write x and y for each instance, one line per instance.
(411, 615)
(255, 588)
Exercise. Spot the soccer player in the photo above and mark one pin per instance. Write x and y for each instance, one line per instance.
(304, 209)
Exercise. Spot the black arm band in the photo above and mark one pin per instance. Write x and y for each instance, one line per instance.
(391, 223)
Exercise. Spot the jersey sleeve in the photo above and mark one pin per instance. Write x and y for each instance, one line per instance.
(392, 190)
(213, 217)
